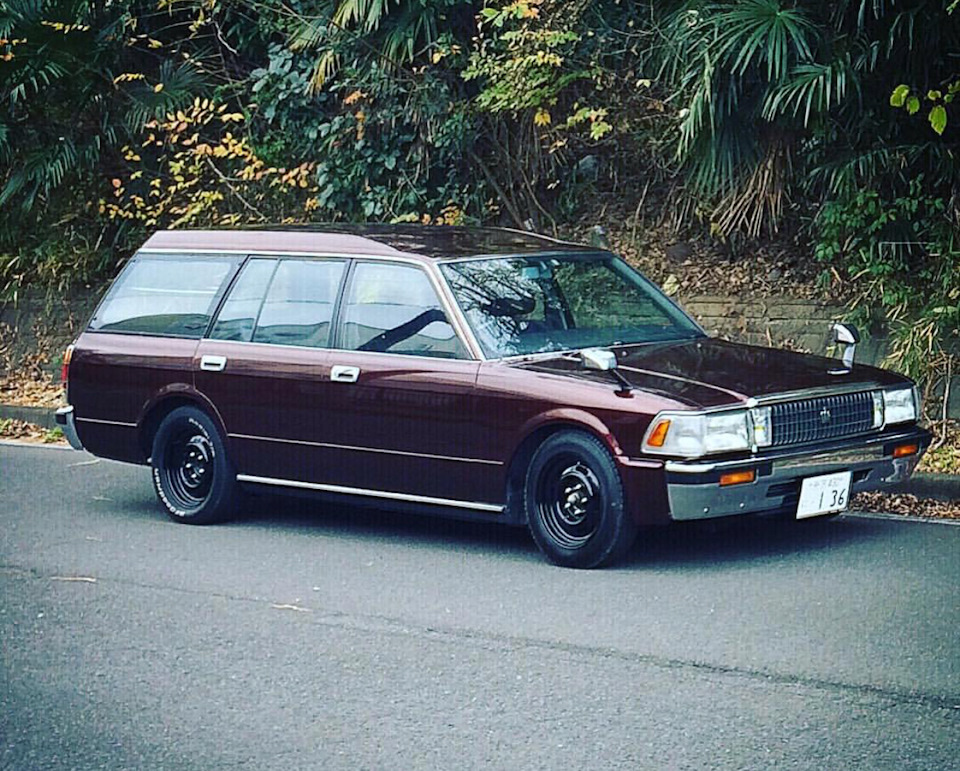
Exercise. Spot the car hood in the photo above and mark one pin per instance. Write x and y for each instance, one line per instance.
(706, 372)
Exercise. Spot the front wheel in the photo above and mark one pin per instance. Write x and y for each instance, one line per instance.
(574, 502)
(192, 475)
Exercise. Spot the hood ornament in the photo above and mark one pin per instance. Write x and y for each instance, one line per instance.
(847, 336)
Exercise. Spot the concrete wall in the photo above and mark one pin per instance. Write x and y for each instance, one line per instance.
(42, 325)
(797, 323)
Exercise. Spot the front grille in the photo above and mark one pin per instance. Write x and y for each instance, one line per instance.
(826, 417)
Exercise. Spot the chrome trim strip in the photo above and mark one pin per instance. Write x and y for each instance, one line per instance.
(869, 448)
(107, 422)
(811, 393)
(283, 346)
(399, 256)
(367, 449)
(493, 508)
(694, 468)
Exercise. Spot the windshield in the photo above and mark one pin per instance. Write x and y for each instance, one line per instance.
(524, 305)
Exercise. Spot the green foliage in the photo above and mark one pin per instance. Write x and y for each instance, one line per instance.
(770, 91)
(937, 114)
(901, 253)
(51, 435)
(521, 62)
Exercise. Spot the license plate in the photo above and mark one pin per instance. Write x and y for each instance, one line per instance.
(824, 494)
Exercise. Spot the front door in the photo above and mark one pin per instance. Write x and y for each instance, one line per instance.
(401, 404)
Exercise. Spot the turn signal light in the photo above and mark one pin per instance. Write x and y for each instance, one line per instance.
(737, 478)
(905, 449)
(659, 434)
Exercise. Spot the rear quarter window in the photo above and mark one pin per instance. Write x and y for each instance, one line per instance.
(164, 295)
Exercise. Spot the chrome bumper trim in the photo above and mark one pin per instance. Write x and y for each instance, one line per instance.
(67, 422)
(869, 448)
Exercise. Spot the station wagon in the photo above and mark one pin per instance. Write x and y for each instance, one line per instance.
(473, 372)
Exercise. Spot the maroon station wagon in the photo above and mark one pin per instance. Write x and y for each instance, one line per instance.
(484, 373)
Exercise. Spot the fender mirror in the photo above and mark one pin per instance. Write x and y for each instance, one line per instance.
(598, 358)
(605, 361)
(845, 335)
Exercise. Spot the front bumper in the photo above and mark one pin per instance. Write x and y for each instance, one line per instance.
(68, 425)
(694, 491)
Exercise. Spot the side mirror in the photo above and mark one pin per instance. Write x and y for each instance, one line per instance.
(599, 359)
(847, 336)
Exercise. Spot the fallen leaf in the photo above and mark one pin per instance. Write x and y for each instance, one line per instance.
(297, 608)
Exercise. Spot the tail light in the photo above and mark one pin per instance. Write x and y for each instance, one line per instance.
(65, 369)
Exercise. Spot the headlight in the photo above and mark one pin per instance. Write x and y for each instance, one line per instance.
(691, 435)
(899, 406)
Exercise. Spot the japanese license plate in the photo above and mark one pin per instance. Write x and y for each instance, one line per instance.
(824, 494)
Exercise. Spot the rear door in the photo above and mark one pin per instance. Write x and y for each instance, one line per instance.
(265, 364)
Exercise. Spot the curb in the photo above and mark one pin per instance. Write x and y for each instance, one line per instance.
(41, 416)
(941, 487)
(41, 445)
(900, 518)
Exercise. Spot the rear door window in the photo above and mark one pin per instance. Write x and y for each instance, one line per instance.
(170, 295)
(299, 304)
(238, 316)
(395, 309)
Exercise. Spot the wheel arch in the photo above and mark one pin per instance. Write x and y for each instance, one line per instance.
(166, 402)
(535, 432)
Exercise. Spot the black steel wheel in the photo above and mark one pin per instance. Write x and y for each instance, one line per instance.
(192, 475)
(574, 502)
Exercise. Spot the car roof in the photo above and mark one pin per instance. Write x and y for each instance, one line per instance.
(424, 241)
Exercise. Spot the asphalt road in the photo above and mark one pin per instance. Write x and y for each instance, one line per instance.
(320, 637)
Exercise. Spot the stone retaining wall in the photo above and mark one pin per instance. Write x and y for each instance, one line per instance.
(776, 321)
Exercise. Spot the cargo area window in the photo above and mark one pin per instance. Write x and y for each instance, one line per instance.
(164, 295)
(395, 309)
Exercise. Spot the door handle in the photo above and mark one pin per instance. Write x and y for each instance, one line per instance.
(341, 374)
(213, 363)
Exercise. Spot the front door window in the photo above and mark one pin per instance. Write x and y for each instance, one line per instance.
(395, 309)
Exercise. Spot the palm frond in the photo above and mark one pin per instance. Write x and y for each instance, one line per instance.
(811, 89)
(307, 33)
(41, 170)
(367, 15)
(182, 82)
(758, 33)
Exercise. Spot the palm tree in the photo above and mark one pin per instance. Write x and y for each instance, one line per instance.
(760, 83)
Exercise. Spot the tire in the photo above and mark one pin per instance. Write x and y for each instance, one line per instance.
(192, 475)
(574, 502)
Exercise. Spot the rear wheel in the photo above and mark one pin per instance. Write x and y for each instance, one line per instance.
(192, 475)
(574, 502)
